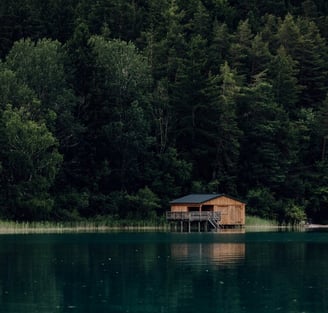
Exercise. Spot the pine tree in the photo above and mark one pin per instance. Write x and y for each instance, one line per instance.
(313, 64)
(265, 154)
(283, 75)
(221, 133)
(240, 50)
(187, 98)
(260, 55)
(218, 46)
(304, 44)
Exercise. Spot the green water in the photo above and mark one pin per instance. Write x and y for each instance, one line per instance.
(165, 272)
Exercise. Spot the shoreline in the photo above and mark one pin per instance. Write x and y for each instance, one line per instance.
(11, 227)
(76, 229)
(316, 226)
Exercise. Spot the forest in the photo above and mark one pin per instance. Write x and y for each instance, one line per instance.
(115, 107)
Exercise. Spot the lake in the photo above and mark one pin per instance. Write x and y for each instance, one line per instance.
(165, 272)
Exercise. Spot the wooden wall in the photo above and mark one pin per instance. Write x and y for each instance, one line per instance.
(180, 207)
(232, 211)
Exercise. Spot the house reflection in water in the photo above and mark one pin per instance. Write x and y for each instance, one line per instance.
(222, 254)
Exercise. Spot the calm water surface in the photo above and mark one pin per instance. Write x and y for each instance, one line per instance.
(165, 272)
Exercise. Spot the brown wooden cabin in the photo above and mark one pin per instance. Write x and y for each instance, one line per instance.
(206, 212)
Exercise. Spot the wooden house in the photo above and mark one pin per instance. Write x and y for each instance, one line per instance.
(206, 212)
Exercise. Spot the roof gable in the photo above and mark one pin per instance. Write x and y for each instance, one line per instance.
(200, 198)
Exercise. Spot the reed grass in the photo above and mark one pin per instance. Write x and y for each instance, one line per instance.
(96, 225)
(253, 221)
(258, 224)
(108, 223)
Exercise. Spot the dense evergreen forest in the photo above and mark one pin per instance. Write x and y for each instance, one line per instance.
(115, 107)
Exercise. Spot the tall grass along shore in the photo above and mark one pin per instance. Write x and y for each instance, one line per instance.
(15, 227)
(253, 223)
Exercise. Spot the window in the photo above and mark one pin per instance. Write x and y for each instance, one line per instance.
(207, 208)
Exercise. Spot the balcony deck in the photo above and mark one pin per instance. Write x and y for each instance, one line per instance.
(203, 219)
(193, 216)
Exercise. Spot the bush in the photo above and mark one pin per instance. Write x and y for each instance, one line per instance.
(144, 203)
(294, 214)
(260, 202)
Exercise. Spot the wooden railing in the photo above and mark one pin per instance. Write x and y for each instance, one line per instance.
(193, 216)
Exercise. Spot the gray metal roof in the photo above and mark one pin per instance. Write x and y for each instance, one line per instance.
(197, 198)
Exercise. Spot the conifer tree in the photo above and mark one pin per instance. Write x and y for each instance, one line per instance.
(240, 50)
(265, 155)
(283, 76)
(221, 132)
(218, 46)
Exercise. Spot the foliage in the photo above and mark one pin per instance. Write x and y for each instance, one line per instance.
(113, 108)
(294, 214)
(40, 66)
(143, 204)
(261, 202)
(29, 166)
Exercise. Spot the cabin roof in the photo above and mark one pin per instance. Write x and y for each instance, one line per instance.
(196, 198)
(200, 198)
